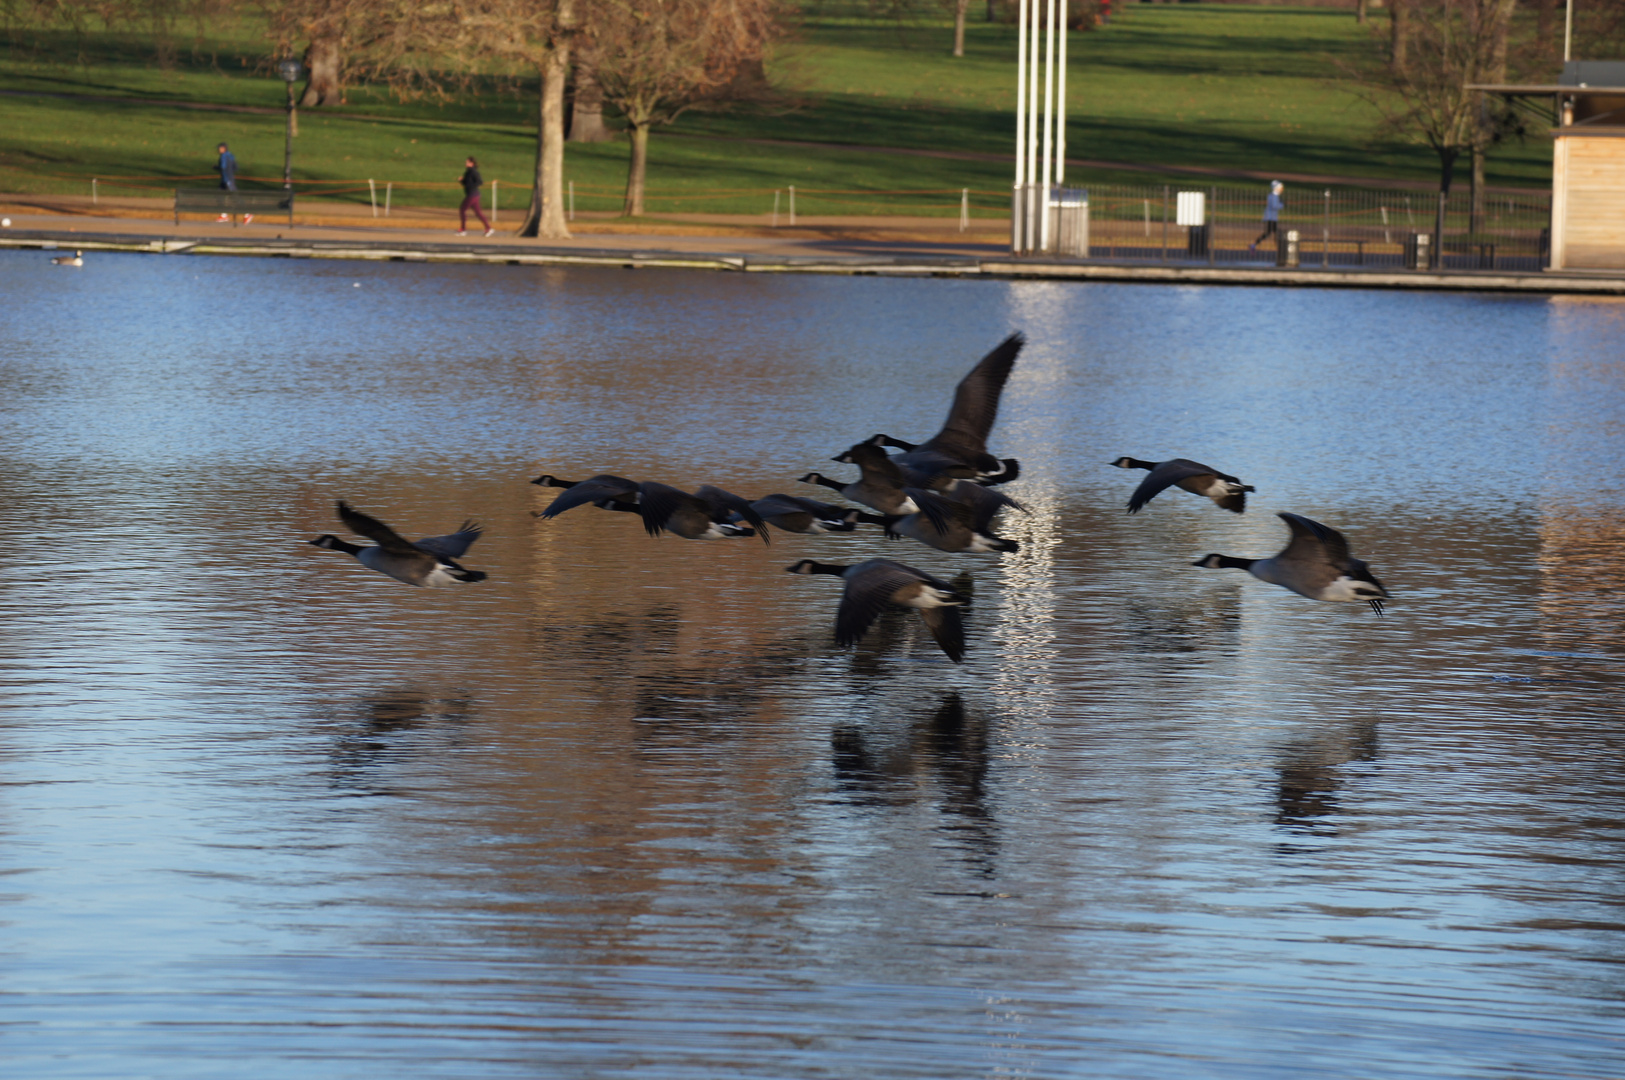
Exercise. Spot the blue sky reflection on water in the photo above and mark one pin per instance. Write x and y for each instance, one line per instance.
(624, 809)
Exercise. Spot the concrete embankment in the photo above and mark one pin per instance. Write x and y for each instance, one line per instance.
(753, 255)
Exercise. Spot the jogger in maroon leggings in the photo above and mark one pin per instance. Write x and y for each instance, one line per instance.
(471, 199)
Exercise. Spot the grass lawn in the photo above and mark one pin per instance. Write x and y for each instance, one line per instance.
(1164, 85)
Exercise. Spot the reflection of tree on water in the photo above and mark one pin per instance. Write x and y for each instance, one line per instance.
(1312, 774)
(1582, 587)
(946, 748)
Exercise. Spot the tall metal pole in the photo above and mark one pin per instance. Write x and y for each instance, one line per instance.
(1032, 126)
(1049, 124)
(287, 146)
(1060, 110)
(1019, 202)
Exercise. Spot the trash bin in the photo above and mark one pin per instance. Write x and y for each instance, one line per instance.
(1196, 241)
(1418, 254)
(1286, 248)
(1069, 225)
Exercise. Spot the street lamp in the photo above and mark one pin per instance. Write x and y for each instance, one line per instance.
(290, 69)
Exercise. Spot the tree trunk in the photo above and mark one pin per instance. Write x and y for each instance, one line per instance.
(992, 11)
(1476, 223)
(637, 169)
(1399, 33)
(1447, 169)
(960, 8)
(587, 115)
(546, 216)
(1360, 12)
(324, 60)
(1485, 125)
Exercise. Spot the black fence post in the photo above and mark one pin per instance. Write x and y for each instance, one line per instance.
(1438, 234)
(1212, 225)
(1165, 223)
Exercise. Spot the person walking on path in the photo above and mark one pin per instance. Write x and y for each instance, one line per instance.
(1272, 215)
(472, 183)
(227, 168)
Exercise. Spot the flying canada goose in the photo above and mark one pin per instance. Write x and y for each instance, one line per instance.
(1316, 564)
(704, 516)
(874, 585)
(76, 259)
(971, 416)
(603, 490)
(701, 516)
(879, 488)
(932, 464)
(956, 521)
(1224, 489)
(431, 561)
(798, 515)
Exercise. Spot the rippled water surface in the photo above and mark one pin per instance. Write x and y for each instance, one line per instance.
(625, 810)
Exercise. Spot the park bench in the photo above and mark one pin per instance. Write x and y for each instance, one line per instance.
(236, 203)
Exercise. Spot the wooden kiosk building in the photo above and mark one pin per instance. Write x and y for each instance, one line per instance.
(1588, 163)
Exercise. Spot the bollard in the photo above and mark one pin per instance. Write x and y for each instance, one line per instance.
(792, 205)
(389, 189)
(372, 193)
(94, 200)
(964, 209)
(1417, 253)
(572, 200)
(1326, 233)
(1286, 250)
(493, 202)
(775, 208)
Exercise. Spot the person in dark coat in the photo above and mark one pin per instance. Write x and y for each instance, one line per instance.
(472, 183)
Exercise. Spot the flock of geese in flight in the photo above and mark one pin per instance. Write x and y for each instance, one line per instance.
(940, 492)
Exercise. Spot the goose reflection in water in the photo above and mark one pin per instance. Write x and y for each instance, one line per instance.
(947, 748)
(385, 726)
(1312, 773)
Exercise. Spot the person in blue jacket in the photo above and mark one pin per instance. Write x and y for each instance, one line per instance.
(1272, 215)
(227, 168)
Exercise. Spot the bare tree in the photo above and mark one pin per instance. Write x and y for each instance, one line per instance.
(960, 8)
(1491, 23)
(1437, 49)
(655, 59)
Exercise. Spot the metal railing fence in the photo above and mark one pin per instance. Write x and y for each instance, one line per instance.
(1335, 227)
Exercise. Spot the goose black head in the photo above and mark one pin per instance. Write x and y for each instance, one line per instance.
(333, 543)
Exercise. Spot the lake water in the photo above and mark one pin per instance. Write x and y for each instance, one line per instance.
(624, 809)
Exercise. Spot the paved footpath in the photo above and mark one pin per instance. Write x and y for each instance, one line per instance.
(913, 247)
